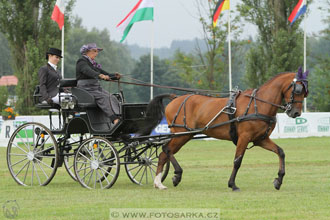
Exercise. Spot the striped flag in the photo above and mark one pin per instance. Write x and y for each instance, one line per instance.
(221, 6)
(143, 10)
(58, 13)
(298, 10)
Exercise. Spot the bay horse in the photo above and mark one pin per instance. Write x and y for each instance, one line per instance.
(245, 117)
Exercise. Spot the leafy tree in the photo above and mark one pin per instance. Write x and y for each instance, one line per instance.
(163, 75)
(29, 31)
(207, 70)
(3, 97)
(279, 46)
(320, 78)
(5, 57)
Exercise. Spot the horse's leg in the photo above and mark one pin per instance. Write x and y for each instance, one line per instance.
(163, 158)
(168, 153)
(240, 150)
(268, 144)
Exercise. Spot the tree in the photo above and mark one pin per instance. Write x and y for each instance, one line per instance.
(320, 77)
(279, 46)
(5, 57)
(29, 31)
(207, 70)
(3, 97)
(163, 75)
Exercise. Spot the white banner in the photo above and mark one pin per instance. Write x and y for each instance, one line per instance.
(307, 125)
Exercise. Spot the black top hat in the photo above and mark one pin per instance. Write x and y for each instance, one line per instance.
(54, 51)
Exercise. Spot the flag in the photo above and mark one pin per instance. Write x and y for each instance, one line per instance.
(58, 13)
(143, 10)
(298, 10)
(221, 6)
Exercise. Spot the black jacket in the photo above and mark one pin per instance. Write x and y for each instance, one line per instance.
(49, 79)
(86, 70)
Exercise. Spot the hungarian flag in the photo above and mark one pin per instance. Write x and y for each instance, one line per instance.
(298, 10)
(221, 6)
(143, 10)
(58, 13)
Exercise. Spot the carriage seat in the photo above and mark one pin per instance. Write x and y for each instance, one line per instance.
(42, 105)
(84, 99)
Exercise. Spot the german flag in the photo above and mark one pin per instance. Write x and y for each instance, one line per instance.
(221, 6)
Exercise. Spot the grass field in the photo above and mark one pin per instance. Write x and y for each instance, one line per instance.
(207, 165)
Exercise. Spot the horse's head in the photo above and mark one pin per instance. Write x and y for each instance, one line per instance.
(295, 93)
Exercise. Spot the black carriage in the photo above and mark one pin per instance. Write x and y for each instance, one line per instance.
(82, 139)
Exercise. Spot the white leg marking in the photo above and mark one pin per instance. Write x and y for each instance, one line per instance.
(158, 182)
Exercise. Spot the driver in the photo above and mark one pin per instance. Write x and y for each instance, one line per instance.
(88, 73)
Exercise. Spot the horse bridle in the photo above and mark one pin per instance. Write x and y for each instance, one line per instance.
(297, 89)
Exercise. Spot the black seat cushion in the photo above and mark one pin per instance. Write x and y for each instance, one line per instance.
(68, 83)
(84, 99)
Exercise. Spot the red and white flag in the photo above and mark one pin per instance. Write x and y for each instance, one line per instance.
(58, 13)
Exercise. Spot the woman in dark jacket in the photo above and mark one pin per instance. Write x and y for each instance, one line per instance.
(49, 77)
(88, 74)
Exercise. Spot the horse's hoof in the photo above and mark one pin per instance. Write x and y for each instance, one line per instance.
(176, 180)
(161, 187)
(236, 189)
(277, 184)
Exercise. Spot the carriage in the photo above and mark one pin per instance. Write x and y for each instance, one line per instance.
(92, 149)
(82, 139)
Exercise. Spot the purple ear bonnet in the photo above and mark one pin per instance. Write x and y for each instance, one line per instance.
(302, 77)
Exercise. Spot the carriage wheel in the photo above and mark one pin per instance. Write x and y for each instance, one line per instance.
(32, 155)
(96, 163)
(68, 160)
(141, 164)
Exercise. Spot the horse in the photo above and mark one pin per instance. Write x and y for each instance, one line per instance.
(244, 117)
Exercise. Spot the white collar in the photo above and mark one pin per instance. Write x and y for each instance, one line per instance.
(52, 65)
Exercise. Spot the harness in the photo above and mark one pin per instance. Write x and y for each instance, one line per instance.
(230, 110)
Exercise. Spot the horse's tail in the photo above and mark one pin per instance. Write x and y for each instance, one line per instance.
(155, 113)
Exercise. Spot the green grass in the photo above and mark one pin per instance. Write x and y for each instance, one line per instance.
(207, 165)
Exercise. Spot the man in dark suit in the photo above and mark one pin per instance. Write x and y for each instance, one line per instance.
(49, 77)
(88, 73)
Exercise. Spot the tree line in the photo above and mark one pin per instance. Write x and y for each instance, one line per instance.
(26, 37)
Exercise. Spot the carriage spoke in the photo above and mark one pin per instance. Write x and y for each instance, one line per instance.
(90, 177)
(40, 161)
(107, 172)
(50, 148)
(134, 167)
(82, 169)
(19, 148)
(32, 174)
(26, 171)
(142, 175)
(18, 162)
(43, 170)
(85, 157)
(13, 154)
(21, 168)
(99, 177)
(87, 173)
(35, 168)
(22, 141)
(104, 176)
(137, 172)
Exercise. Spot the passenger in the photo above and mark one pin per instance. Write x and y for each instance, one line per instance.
(49, 77)
(88, 73)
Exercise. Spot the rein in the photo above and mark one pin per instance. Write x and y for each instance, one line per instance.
(197, 91)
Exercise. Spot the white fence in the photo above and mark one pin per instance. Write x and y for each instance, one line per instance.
(307, 125)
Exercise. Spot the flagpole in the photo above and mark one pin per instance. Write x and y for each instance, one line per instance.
(305, 100)
(152, 62)
(229, 50)
(62, 63)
